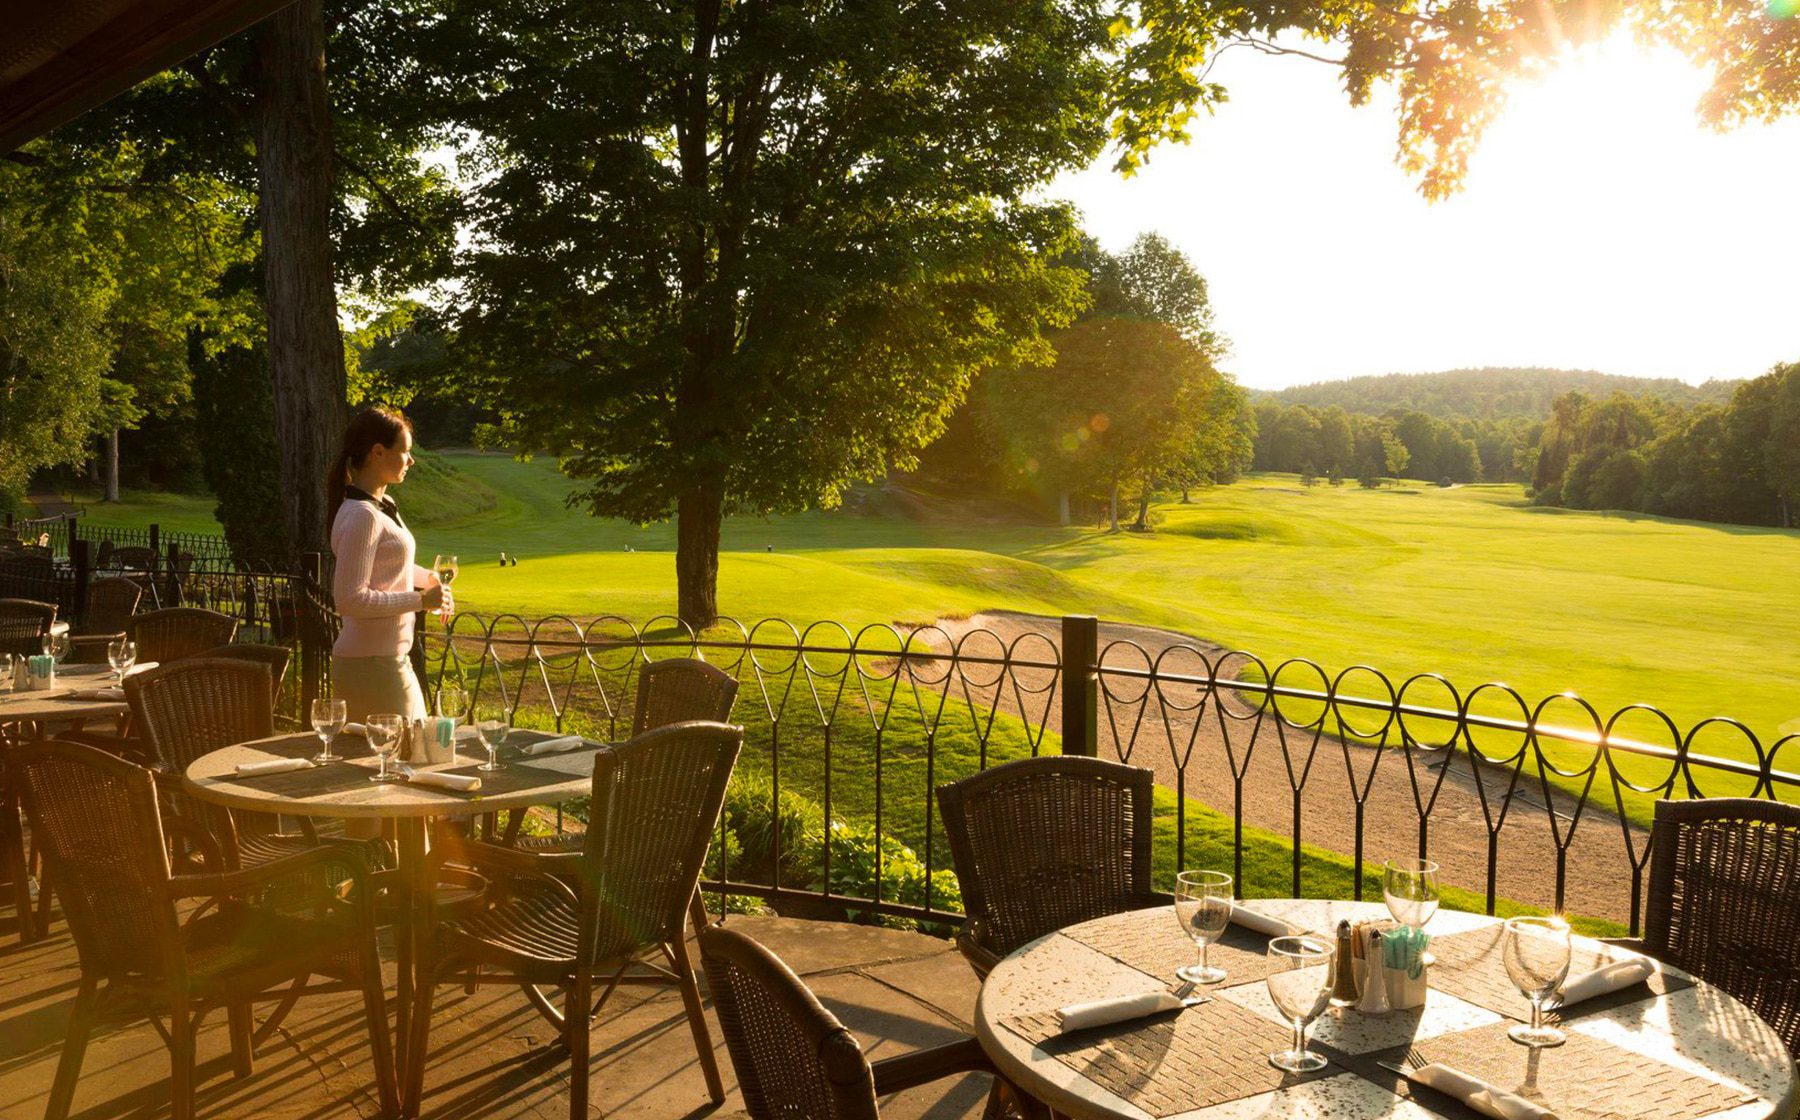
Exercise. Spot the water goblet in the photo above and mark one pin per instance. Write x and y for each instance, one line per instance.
(121, 654)
(328, 718)
(6, 670)
(1410, 888)
(452, 702)
(1202, 910)
(491, 726)
(384, 737)
(56, 645)
(1300, 987)
(1536, 952)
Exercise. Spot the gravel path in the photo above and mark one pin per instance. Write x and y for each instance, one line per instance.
(1598, 870)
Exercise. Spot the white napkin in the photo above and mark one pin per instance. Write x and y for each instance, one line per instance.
(466, 783)
(356, 729)
(551, 746)
(112, 694)
(1607, 978)
(140, 667)
(1489, 1100)
(273, 766)
(1115, 1009)
(1263, 923)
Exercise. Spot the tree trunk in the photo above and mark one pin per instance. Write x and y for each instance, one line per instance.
(306, 351)
(1112, 506)
(1062, 507)
(1143, 518)
(698, 513)
(112, 465)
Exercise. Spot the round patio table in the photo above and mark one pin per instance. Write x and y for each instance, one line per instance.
(1674, 1047)
(342, 791)
(25, 716)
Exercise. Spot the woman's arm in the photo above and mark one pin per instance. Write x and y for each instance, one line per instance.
(354, 539)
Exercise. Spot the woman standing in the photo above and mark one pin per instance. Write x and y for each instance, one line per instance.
(377, 586)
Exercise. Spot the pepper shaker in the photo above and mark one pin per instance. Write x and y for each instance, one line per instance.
(1343, 984)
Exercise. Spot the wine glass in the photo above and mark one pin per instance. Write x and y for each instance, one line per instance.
(121, 654)
(445, 567)
(384, 737)
(1536, 952)
(328, 717)
(492, 723)
(1202, 910)
(452, 702)
(1410, 888)
(6, 670)
(56, 644)
(1300, 986)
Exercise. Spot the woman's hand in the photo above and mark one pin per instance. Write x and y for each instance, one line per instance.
(432, 598)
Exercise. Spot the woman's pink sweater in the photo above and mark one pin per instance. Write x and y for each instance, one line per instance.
(375, 582)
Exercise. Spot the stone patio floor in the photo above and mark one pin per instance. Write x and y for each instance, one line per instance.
(491, 1054)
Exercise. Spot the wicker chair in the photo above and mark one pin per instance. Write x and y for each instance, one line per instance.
(1043, 843)
(674, 691)
(169, 635)
(133, 558)
(1724, 901)
(110, 604)
(794, 1060)
(98, 821)
(23, 624)
(275, 658)
(636, 882)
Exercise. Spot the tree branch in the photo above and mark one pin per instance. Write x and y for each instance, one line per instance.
(389, 203)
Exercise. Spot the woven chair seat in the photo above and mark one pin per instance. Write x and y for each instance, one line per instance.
(253, 947)
(535, 934)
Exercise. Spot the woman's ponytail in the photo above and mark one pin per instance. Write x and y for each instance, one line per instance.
(367, 428)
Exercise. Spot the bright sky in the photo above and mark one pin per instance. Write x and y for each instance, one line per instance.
(1601, 227)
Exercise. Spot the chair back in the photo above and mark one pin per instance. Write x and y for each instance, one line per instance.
(28, 574)
(133, 557)
(679, 690)
(275, 658)
(656, 800)
(196, 706)
(103, 557)
(110, 604)
(1724, 901)
(171, 634)
(1043, 843)
(94, 817)
(23, 624)
(794, 1059)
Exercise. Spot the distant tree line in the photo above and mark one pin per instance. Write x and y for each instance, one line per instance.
(1738, 462)
(1491, 393)
(1336, 445)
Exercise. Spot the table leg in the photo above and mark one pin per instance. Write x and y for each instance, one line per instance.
(410, 832)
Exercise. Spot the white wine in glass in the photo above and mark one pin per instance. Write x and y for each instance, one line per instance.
(446, 568)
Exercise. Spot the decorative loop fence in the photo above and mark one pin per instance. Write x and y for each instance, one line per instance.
(1298, 780)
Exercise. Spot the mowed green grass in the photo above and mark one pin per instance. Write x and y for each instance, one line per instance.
(1470, 582)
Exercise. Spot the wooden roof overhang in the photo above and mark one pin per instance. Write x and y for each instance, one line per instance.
(60, 58)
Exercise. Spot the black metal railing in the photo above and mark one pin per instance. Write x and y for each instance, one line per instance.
(1298, 778)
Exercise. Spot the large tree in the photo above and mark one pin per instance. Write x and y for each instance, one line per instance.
(735, 256)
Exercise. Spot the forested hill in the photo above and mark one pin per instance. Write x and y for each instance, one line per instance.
(1489, 394)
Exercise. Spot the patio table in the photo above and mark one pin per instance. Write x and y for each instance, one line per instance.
(1676, 1047)
(29, 715)
(342, 791)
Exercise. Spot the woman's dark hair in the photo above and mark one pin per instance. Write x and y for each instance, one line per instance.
(367, 428)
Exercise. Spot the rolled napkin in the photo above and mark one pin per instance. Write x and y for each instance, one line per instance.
(1607, 978)
(1489, 1100)
(464, 783)
(551, 746)
(1116, 1009)
(273, 766)
(114, 694)
(356, 729)
(1262, 923)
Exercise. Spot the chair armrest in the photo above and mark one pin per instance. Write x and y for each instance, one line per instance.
(249, 879)
(455, 848)
(923, 1066)
(197, 837)
(971, 939)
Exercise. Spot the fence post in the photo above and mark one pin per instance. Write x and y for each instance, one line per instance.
(155, 544)
(81, 559)
(172, 598)
(70, 534)
(1080, 684)
(313, 658)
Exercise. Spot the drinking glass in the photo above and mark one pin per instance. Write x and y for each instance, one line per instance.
(1410, 887)
(452, 702)
(384, 737)
(1202, 910)
(328, 717)
(121, 654)
(57, 646)
(446, 568)
(1536, 952)
(1300, 986)
(492, 722)
(6, 670)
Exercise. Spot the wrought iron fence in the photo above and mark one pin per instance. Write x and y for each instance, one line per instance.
(1296, 778)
